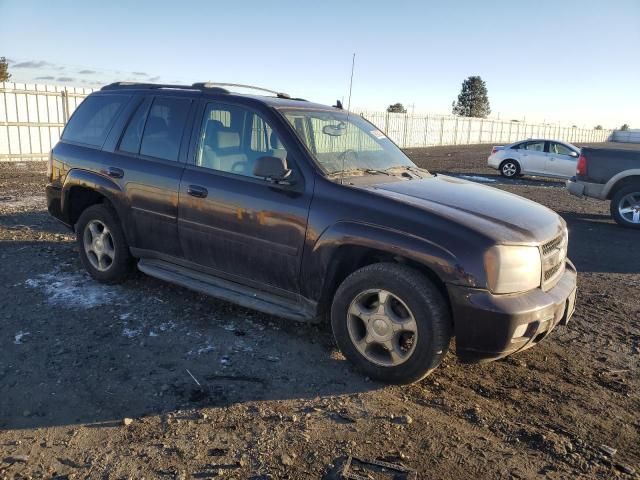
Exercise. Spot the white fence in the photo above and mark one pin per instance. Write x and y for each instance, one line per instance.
(32, 118)
(428, 130)
(626, 136)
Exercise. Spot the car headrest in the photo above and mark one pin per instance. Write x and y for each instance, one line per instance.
(228, 139)
(212, 127)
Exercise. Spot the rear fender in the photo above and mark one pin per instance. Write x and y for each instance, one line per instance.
(92, 181)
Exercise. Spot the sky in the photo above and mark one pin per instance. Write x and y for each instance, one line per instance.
(561, 61)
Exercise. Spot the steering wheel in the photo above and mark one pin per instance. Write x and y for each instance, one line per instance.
(343, 156)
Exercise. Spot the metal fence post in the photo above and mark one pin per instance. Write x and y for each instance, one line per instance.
(426, 130)
(441, 129)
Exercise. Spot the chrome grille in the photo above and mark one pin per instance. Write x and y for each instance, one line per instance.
(554, 254)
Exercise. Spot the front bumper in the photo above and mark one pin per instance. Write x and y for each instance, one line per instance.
(489, 327)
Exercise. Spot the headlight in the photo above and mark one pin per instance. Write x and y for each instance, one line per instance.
(512, 269)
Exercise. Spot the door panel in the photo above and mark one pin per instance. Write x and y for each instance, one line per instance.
(151, 184)
(559, 161)
(534, 157)
(244, 227)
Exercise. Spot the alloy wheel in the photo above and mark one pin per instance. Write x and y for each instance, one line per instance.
(382, 327)
(629, 207)
(98, 245)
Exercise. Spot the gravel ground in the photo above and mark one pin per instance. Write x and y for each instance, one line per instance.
(149, 380)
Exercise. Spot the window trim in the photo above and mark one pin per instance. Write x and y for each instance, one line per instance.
(141, 102)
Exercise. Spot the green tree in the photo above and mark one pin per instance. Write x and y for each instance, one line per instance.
(4, 70)
(624, 127)
(473, 100)
(396, 108)
(598, 127)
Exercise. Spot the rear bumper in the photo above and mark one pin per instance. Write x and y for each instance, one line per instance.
(585, 189)
(54, 203)
(490, 326)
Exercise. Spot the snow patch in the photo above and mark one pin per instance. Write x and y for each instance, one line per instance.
(476, 178)
(24, 202)
(19, 336)
(73, 289)
(130, 332)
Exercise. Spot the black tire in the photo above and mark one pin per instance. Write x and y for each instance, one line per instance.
(425, 303)
(510, 172)
(618, 201)
(122, 262)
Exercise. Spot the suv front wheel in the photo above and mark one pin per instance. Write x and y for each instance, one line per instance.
(103, 249)
(391, 322)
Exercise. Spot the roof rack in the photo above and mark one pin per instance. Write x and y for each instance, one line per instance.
(209, 85)
(139, 85)
(202, 86)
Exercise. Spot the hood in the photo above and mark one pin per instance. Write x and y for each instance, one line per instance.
(499, 215)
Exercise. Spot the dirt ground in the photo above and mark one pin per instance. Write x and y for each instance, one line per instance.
(149, 380)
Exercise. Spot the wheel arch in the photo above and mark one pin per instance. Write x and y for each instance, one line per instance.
(82, 189)
(621, 180)
(348, 247)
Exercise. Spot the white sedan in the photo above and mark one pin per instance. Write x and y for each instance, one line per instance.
(546, 158)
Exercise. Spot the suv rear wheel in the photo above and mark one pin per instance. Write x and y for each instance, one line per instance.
(625, 206)
(103, 249)
(391, 322)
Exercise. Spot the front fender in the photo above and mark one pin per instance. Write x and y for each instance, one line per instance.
(318, 261)
(92, 181)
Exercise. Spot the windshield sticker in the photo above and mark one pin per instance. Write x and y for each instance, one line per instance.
(378, 134)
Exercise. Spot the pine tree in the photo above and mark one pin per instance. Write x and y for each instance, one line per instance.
(624, 127)
(396, 108)
(473, 100)
(4, 70)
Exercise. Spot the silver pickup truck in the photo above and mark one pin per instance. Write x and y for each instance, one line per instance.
(610, 174)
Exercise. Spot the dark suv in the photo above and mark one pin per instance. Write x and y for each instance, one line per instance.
(307, 212)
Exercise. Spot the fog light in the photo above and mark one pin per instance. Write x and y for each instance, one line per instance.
(520, 330)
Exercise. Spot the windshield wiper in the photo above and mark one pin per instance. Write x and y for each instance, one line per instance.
(373, 171)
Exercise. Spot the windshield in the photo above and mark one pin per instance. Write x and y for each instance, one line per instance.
(337, 141)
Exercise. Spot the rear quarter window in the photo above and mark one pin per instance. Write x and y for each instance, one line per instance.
(91, 122)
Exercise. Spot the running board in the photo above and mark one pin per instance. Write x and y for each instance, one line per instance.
(226, 290)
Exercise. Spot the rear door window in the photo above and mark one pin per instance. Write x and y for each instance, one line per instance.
(535, 146)
(164, 127)
(92, 121)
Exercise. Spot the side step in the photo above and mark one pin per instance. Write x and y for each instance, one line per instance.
(226, 290)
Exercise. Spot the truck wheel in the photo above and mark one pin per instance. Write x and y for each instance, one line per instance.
(510, 169)
(391, 322)
(625, 206)
(103, 249)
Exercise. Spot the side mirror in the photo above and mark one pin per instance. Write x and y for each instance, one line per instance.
(272, 169)
(574, 154)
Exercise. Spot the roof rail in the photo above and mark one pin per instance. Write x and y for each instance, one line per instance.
(209, 85)
(202, 86)
(137, 85)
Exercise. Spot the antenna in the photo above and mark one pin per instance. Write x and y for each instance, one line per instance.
(353, 64)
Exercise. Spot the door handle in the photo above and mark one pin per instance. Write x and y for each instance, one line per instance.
(114, 172)
(197, 191)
